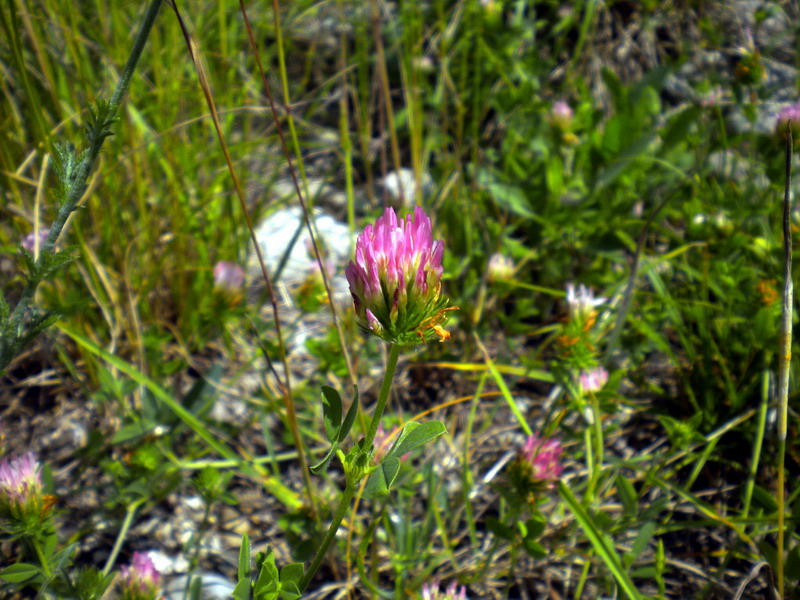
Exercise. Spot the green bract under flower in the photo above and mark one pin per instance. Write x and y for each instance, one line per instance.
(396, 278)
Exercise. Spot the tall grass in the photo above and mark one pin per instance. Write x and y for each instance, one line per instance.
(460, 91)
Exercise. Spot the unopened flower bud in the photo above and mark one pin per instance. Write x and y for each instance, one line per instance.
(593, 380)
(228, 276)
(789, 121)
(30, 243)
(501, 268)
(561, 115)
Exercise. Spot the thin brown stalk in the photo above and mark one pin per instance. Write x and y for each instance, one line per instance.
(286, 384)
(784, 358)
(386, 95)
(300, 198)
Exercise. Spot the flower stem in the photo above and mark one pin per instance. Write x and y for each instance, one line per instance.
(130, 512)
(391, 365)
(598, 438)
(352, 482)
(344, 504)
(43, 561)
(784, 356)
(589, 450)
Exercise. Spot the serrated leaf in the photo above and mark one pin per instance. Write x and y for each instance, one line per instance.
(381, 480)
(244, 559)
(322, 466)
(30, 264)
(19, 573)
(332, 412)
(415, 435)
(350, 417)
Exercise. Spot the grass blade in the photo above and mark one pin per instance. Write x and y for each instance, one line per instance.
(600, 543)
(275, 487)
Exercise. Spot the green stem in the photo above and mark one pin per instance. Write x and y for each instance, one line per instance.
(352, 482)
(130, 512)
(391, 364)
(757, 445)
(43, 562)
(80, 179)
(587, 442)
(598, 438)
(344, 504)
(784, 356)
(360, 555)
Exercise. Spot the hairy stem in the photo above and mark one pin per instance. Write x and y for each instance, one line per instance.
(81, 176)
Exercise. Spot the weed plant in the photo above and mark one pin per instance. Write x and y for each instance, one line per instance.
(609, 412)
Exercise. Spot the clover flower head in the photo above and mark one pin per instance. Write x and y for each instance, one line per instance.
(501, 267)
(789, 120)
(593, 380)
(430, 591)
(581, 302)
(29, 241)
(228, 276)
(543, 456)
(139, 580)
(395, 279)
(561, 115)
(20, 479)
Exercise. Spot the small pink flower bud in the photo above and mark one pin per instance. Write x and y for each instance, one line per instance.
(430, 591)
(140, 579)
(383, 443)
(561, 115)
(395, 279)
(789, 120)
(228, 276)
(29, 241)
(593, 380)
(501, 268)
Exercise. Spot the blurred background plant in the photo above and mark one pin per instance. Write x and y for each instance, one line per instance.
(624, 146)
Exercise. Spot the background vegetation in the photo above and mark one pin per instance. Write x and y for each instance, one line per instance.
(667, 170)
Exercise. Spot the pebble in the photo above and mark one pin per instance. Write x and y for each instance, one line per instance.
(275, 235)
(212, 587)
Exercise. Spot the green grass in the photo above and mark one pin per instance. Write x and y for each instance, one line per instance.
(462, 92)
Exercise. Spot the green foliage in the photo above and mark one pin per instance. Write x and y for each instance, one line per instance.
(635, 176)
(412, 436)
